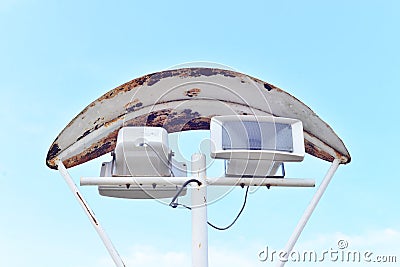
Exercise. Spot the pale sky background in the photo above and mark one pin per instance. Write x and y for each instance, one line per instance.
(339, 57)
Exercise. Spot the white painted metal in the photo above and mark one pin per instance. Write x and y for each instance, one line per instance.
(123, 180)
(238, 137)
(141, 191)
(142, 151)
(90, 214)
(210, 91)
(162, 99)
(254, 146)
(286, 182)
(221, 181)
(307, 213)
(199, 213)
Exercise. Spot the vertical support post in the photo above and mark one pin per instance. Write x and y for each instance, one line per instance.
(92, 218)
(199, 213)
(307, 213)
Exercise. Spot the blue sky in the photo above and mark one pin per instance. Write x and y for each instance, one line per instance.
(341, 58)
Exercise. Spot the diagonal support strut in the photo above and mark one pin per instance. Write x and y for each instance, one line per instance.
(308, 212)
(90, 214)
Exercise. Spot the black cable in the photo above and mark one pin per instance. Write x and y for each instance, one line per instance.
(173, 203)
(183, 205)
(237, 217)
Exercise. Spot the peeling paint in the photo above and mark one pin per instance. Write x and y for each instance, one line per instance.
(104, 146)
(311, 149)
(133, 106)
(188, 72)
(84, 134)
(109, 123)
(51, 155)
(268, 86)
(101, 117)
(193, 92)
(318, 152)
(172, 121)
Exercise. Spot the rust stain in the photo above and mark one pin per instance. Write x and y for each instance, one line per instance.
(315, 151)
(111, 122)
(126, 87)
(188, 72)
(193, 92)
(51, 155)
(312, 149)
(151, 79)
(171, 120)
(87, 209)
(132, 103)
(103, 146)
(98, 125)
(154, 78)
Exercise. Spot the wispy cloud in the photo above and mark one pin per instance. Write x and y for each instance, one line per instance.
(374, 243)
(154, 256)
(379, 241)
(237, 257)
(386, 239)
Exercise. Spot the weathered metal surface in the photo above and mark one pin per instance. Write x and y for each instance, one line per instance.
(185, 99)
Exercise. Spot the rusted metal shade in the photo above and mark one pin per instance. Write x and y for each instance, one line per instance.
(181, 100)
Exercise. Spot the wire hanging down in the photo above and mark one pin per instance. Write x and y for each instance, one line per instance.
(174, 204)
(237, 217)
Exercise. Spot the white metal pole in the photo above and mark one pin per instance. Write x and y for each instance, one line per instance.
(92, 218)
(199, 213)
(307, 213)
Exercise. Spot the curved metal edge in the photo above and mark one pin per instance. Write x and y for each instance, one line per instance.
(108, 143)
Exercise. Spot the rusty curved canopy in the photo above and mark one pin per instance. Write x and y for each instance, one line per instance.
(180, 100)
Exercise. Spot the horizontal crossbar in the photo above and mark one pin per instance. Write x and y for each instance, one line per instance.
(177, 181)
